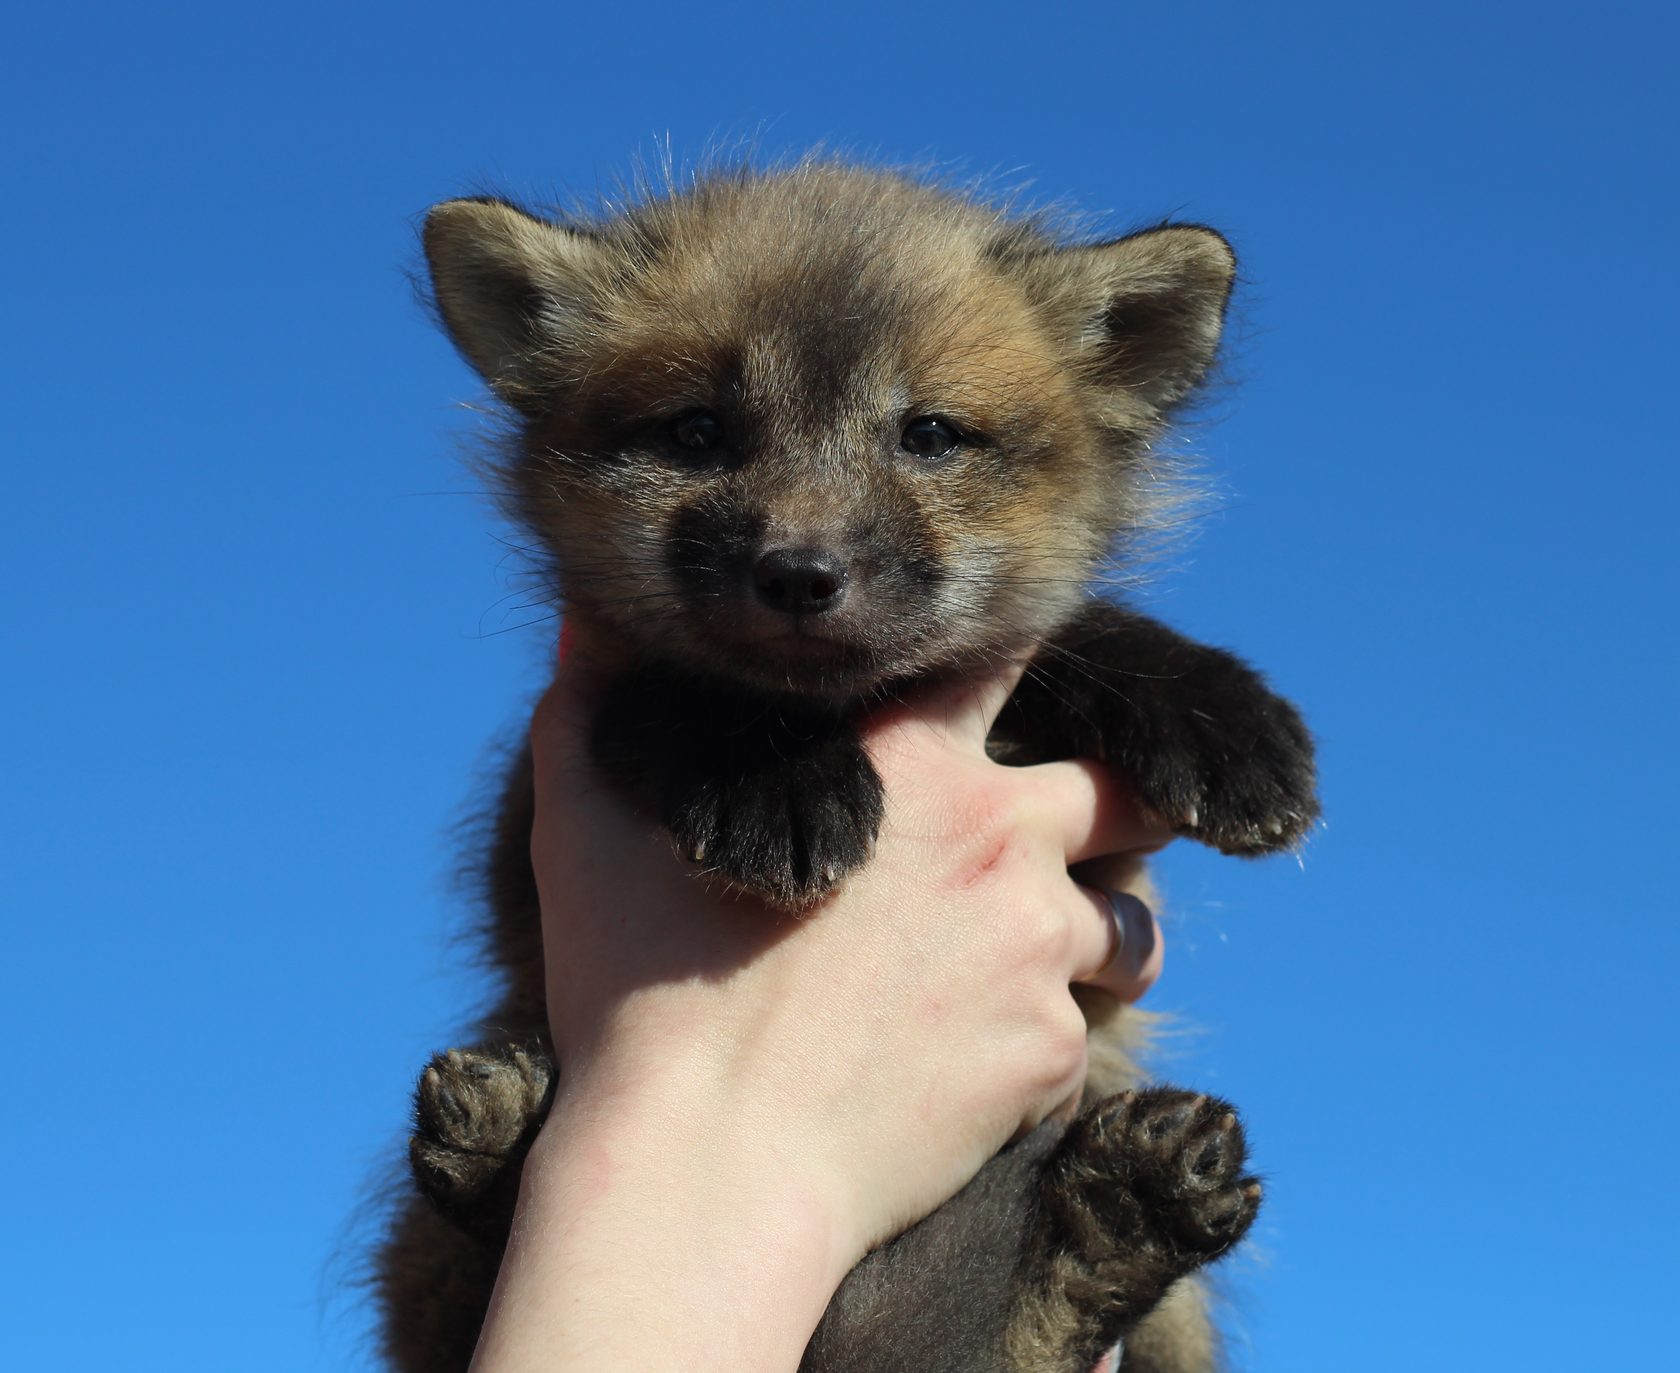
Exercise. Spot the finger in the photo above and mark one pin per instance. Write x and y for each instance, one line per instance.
(586, 654)
(1119, 949)
(964, 708)
(1091, 811)
(973, 705)
(560, 725)
(554, 734)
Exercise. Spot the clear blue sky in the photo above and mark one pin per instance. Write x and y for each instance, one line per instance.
(258, 635)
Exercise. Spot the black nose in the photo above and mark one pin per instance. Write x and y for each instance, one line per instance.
(800, 581)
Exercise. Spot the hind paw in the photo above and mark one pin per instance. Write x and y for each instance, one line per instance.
(1143, 1189)
(1161, 1168)
(475, 1114)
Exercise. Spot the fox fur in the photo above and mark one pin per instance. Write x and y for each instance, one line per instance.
(795, 441)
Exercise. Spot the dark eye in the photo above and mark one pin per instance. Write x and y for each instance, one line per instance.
(929, 438)
(698, 430)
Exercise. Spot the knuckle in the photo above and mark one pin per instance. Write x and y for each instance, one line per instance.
(1066, 1045)
(1044, 938)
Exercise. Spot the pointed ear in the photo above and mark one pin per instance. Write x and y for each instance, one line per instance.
(509, 288)
(1148, 308)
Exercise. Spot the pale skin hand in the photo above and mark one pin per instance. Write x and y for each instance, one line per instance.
(750, 1100)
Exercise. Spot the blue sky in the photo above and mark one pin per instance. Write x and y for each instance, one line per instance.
(261, 635)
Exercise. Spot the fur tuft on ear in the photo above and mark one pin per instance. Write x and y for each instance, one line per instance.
(510, 288)
(1147, 310)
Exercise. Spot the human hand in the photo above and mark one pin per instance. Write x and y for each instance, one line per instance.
(750, 1100)
(881, 1047)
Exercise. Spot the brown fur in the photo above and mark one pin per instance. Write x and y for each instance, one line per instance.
(811, 315)
(931, 303)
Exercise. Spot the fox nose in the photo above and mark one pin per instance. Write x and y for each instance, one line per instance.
(800, 581)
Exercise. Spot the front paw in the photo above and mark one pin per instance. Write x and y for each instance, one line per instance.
(769, 794)
(789, 827)
(1233, 769)
(1205, 743)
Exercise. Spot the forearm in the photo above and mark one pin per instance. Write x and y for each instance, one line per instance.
(651, 1236)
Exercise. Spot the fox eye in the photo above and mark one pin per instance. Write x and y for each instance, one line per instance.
(929, 438)
(698, 430)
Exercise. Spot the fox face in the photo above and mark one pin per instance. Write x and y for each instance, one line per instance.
(820, 428)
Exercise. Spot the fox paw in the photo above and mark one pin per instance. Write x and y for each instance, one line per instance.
(789, 830)
(1265, 798)
(1245, 786)
(1158, 1167)
(1143, 1189)
(475, 1114)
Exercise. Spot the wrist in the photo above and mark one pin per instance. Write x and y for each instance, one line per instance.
(653, 1232)
(757, 1131)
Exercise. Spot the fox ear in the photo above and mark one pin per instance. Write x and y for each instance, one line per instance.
(1147, 309)
(510, 289)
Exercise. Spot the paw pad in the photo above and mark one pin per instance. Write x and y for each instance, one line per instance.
(1161, 1166)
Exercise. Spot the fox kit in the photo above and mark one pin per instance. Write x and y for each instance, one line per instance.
(795, 440)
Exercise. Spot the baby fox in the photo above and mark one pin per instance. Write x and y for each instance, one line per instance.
(794, 441)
